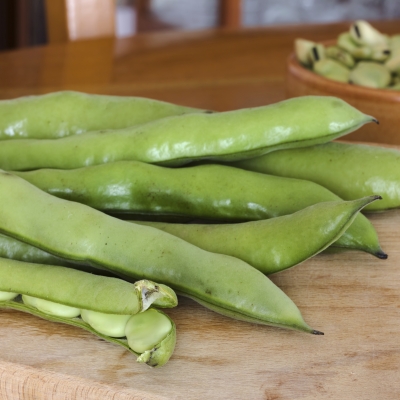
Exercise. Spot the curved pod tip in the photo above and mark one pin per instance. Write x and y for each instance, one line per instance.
(319, 333)
(156, 294)
(382, 255)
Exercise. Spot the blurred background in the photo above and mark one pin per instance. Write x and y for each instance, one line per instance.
(33, 22)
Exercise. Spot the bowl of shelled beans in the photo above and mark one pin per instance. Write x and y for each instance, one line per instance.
(361, 66)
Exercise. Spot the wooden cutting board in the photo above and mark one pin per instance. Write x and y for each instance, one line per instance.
(353, 297)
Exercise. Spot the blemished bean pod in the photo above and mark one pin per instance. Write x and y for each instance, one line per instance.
(175, 141)
(62, 294)
(222, 283)
(207, 192)
(275, 244)
(66, 113)
(349, 170)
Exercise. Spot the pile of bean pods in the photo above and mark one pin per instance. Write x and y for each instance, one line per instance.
(362, 56)
(133, 229)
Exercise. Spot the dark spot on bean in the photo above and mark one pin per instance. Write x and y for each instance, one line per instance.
(357, 31)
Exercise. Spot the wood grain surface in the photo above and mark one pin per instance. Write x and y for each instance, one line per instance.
(352, 297)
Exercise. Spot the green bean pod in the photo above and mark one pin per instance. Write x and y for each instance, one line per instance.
(207, 192)
(175, 141)
(51, 292)
(16, 250)
(349, 170)
(77, 232)
(275, 244)
(66, 113)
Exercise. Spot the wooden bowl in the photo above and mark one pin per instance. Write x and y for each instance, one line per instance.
(383, 104)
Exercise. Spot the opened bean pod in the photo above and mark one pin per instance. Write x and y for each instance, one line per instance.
(175, 141)
(66, 113)
(102, 305)
(206, 192)
(222, 283)
(348, 170)
(275, 244)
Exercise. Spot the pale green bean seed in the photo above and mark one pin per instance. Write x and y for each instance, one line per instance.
(49, 307)
(340, 55)
(396, 86)
(370, 74)
(317, 53)
(108, 324)
(302, 48)
(332, 69)
(393, 64)
(146, 329)
(346, 42)
(395, 41)
(363, 33)
(5, 296)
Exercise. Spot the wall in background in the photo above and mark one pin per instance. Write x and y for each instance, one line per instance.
(23, 22)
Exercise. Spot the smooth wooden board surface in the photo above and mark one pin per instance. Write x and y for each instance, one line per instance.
(352, 297)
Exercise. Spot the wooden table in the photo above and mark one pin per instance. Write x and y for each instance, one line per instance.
(352, 297)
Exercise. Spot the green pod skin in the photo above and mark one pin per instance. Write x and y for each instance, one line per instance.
(17, 250)
(349, 170)
(176, 141)
(60, 114)
(276, 244)
(82, 290)
(207, 192)
(222, 283)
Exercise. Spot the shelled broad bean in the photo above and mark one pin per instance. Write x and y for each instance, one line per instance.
(362, 56)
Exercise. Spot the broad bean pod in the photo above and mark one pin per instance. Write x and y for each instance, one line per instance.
(16, 250)
(275, 244)
(348, 170)
(59, 114)
(222, 283)
(61, 294)
(207, 192)
(175, 141)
